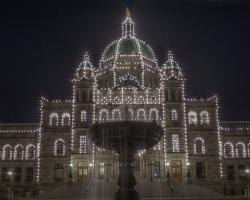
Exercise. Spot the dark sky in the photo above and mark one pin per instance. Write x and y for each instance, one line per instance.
(42, 42)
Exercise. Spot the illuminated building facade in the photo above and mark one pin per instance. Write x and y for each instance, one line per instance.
(128, 84)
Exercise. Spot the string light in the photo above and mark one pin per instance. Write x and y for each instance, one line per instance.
(200, 143)
(30, 152)
(18, 152)
(7, 152)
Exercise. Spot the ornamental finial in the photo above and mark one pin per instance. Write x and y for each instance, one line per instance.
(170, 58)
(86, 56)
(128, 14)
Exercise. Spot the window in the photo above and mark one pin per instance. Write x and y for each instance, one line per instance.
(7, 152)
(242, 172)
(200, 170)
(101, 172)
(175, 143)
(18, 174)
(199, 146)
(53, 119)
(174, 115)
(103, 115)
(59, 147)
(153, 114)
(83, 116)
(30, 153)
(204, 117)
(29, 174)
(116, 114)
(4, 175)
(192, 117)
(228, 150)
(65, 119)
(230, 172)
(83, 144)
(58, 172)
(240, 150)
(18, 152)
(141, 114)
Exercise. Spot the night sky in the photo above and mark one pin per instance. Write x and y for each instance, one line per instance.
(41, 43)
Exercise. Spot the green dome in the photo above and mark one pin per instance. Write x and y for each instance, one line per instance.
(128, 46)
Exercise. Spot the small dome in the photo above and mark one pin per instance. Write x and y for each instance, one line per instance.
(128, 46)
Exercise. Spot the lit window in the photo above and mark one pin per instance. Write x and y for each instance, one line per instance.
(83, 116)
(30, 152)
(83, 144)
(153, 114)
(7, 152)
(53, 119)
(240, 150)
(199, 146)
(116, 114)
(103, 115)
(141, 114)
(174, 115)
(59, 147)
(204, 117)
(192, 117)
(18, 152)
(228, 150)
(65, 119)
(175, 143)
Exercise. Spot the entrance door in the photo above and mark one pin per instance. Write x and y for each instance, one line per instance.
(82, 171)
(176, 171)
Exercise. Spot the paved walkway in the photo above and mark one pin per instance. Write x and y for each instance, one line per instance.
(158, 190)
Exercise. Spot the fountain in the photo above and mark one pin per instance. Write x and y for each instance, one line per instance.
(126, 138)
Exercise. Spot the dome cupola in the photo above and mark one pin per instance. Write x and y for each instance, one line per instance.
(85, 69)
(171, 69)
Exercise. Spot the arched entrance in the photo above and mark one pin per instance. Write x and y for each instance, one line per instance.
(176, 171)
(82, 171)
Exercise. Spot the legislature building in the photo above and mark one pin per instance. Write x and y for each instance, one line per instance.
(197, 147)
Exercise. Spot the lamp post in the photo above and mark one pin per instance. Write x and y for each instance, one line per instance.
(10, 192)
(70, 173)
(188, 173)
(247, 172)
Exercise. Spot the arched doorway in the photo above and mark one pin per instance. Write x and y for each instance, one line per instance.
(82, 171)
(176, 171)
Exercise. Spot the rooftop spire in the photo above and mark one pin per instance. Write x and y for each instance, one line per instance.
(128, 25)
(128, 14)
(171, 60)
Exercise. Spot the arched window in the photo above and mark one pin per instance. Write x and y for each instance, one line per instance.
(103, 115)
(204, 117)
(59, 147)
(116, 114)
(83, 116)
(30, 152)
(153, 114)
(65, 119)
(174, 115)
(240, 150)
(53, 119)
(129, 100)
(192, 117)
(199, 146)
(18, 152)
(140, 100)
(116, 100)
(141, 114)
(228, 150)
(7, 152)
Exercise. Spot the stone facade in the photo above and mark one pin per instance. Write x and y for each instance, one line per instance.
(128, 84)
